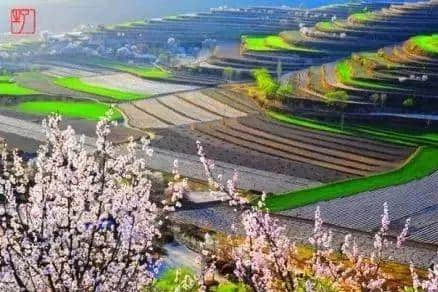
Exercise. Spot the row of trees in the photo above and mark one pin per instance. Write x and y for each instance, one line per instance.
(81, 219)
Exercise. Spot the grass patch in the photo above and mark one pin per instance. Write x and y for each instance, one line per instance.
(144, 72)
(328, 26)
(6, 79)
(77, 84)
(271, 43)
(126, 25)
(172, 17)
(73, 109)
(172, 280)
(362, 17)
(345, 73)
(421, 164)
(10, 88)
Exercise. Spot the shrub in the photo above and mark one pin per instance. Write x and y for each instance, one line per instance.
(265, 82)
(271, 88)
(228, 73)
(336, 96)
(408, 102)
(285, 89)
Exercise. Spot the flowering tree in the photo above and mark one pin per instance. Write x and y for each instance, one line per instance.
(78, 219)
(266, 260)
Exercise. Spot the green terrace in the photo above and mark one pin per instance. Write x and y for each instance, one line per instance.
(173, 17)
(427, 44)
(380, 59)
(329, 26)
(6, 78)
(75, 83)
(126, 25)
(144, 72)
(347, 72)
(28, 44)
(272, 43)
(73, 109)
(422, 163)
(362, 17)
(8, 87)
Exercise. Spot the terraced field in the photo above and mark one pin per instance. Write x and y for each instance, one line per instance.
(416, 200)
(271, 43)
(45, 84)
(69, 109)
(329, 40)
(256, 142)
(186, 108)
(352, 156)
(8, 87)
(220, 23)
(128, 82)
(406, 75)
(50, 98)
(75, 83)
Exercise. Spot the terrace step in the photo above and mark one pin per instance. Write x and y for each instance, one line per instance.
(276, 150)
(162, 112)
(234, 103)
(341, 143)
(372, 162)
(213, 106)
(189, 109)
(140, 119)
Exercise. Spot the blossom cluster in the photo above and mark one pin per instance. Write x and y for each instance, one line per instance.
(77, 219)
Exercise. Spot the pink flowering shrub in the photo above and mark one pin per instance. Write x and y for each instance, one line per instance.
(81, 220)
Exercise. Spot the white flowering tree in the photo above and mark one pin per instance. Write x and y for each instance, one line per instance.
(78, 219)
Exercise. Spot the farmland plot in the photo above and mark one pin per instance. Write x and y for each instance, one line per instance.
(192, 110)
(353, 158)
(416, 200)
(179, 109)
(164, 113)
(128, 82)
(140, 119)
(211, 105)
